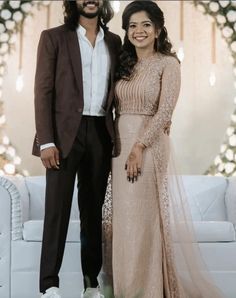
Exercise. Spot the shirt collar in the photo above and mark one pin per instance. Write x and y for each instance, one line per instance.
(82, 31)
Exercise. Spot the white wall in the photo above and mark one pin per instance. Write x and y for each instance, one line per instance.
(202, 114)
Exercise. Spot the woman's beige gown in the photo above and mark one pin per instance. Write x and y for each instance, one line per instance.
(143, 257)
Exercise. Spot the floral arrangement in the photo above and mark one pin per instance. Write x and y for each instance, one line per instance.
(12, 14)
(224, 14)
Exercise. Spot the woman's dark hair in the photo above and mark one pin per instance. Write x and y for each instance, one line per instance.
(71, 14)
(128, 57)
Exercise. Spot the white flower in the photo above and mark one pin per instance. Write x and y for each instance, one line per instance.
(4, 48)
(14, 4)
(221, 19)
(10, 24)
(233, 117)
(229, 167)
(223, 148)
(201, 8)
(6, 14)
(217, 160)
(231, 60)
(235, 27)
(224, 3)
(214, 6)
(230, 131)
(231, 16)
(13, 39)
(11, 151)
(227, 32)
(229, 154)
(2, 28)
(2, 70)
(17, 16)
(4, 37)
(2, 149)
(232, 140)
(9, 168)
(233, 46)
(26, 7)
(221, 167)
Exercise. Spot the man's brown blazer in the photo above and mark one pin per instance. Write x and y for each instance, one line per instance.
(59, 88)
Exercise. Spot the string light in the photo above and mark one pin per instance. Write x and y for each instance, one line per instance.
(19, 82)
(20, 78)
(180, 52)
(212, 76)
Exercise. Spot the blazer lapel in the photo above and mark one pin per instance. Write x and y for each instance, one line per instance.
(75, 56)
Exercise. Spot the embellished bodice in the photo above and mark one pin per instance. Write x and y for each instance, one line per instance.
(140, 95)
(152, 90)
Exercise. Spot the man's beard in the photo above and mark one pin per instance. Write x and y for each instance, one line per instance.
(89, 15)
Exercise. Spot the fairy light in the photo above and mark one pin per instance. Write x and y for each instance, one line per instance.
(212, 76)
(180, 52)
(20, 78)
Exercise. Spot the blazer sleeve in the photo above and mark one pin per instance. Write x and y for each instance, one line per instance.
(44, 88)
(170, 88)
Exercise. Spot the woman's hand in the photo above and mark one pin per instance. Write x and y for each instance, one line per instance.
(167, 128)
(134, 162)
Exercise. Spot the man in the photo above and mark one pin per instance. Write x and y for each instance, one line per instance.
(74, 88)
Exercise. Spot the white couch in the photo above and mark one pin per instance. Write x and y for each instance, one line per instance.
(213, 206)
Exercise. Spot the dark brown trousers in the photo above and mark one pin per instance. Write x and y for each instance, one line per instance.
(90, 160)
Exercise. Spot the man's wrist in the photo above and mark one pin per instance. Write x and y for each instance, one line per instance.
(48, 145)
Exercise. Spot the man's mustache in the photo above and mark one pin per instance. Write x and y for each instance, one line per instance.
(96, 3)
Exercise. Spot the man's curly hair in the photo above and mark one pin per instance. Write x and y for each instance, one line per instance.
(71, 14)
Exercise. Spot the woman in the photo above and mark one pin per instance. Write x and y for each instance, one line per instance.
(147, 207)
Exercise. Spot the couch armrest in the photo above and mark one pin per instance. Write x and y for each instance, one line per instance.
(11, 208)
(5, 236)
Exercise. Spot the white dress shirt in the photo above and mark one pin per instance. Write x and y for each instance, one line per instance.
(95, 70)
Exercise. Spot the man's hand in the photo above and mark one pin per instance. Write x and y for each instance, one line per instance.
(134, 162)
(50, 158)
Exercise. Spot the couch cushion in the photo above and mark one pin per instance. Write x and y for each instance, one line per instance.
(230, 199)
(214, 231)
(211, 231)
(33, 231)
(206, 196)
(36, 189)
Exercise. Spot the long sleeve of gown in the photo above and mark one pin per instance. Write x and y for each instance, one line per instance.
(170, 88)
